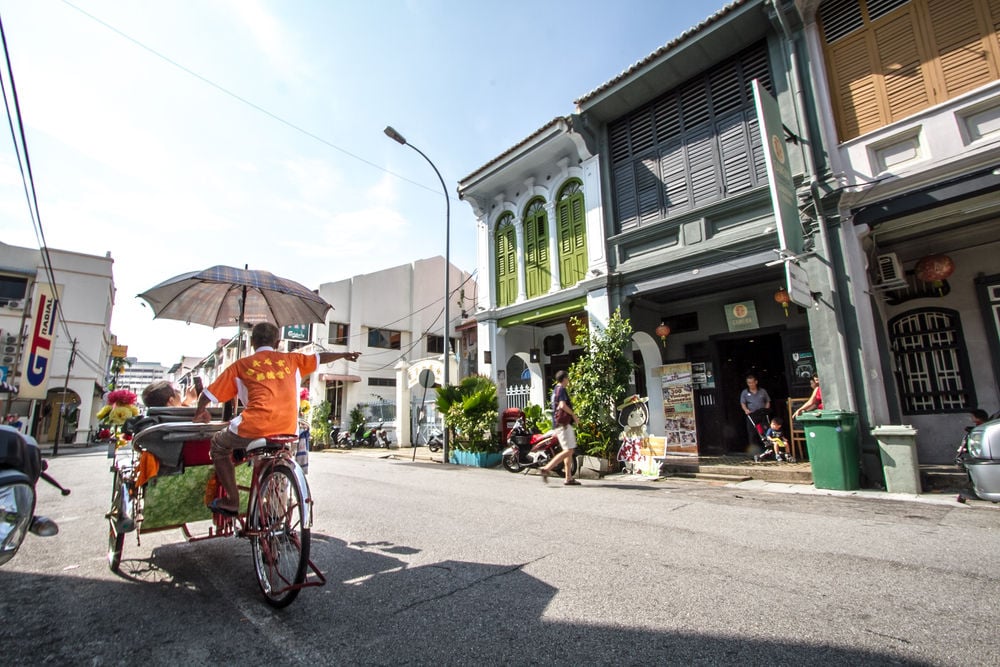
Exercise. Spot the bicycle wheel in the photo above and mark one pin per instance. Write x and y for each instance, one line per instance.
(116, 538)
(278, 538)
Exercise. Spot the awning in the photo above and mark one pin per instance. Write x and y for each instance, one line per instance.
(7, 387)
(333, 377)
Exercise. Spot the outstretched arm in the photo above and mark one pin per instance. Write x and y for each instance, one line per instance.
(327, 357)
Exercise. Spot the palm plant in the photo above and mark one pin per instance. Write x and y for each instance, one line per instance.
(471, 414)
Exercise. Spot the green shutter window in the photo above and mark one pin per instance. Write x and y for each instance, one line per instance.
(572, 228)
(506, 248)
(537, 274)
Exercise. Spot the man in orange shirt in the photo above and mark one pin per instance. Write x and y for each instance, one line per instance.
(267, 383)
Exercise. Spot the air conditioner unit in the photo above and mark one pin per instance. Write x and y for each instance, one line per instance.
(890, 272)
(16, 304)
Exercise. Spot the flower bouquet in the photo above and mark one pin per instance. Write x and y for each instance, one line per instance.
(120, 406)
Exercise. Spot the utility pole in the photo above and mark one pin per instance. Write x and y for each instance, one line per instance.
(62, 405)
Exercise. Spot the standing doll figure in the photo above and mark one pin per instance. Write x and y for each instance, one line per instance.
(633, 415)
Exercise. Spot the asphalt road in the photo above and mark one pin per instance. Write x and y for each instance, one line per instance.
(451, 565)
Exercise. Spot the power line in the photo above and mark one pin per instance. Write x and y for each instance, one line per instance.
(253, 105)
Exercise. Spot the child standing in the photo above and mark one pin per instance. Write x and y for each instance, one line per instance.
(779, 445)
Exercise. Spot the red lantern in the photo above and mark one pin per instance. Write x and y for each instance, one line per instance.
(934, 268)
(782, 297)
(663, 331)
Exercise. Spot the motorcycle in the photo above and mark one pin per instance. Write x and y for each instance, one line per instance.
(531, 450)
(21, 466)
(380, 436)
(369, 437)
(435, 439)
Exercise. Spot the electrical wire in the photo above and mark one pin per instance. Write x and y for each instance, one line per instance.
(249, 103)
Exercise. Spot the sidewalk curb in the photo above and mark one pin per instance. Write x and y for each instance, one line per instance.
(950, 499)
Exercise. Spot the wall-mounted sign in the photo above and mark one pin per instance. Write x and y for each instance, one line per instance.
(779, 170)
(38, 359)
(741, 316)
(119, 351)
(295, 332)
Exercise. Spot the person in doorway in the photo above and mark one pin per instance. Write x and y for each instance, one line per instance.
(164, 394)
(815, 401)
(268, 383)
(14, 420)
(564, 432)
(755, 403)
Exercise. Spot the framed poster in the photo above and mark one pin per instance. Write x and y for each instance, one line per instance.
(680, 434)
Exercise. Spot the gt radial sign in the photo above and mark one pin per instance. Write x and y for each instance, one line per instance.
(38, 354)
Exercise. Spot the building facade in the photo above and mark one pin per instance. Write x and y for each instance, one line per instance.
(908, 95)
(75, 362)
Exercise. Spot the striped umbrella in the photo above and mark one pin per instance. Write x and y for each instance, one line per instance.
(223, 296)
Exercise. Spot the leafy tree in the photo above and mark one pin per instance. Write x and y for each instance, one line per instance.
(319, 425)
(471, 412)
(599, 380)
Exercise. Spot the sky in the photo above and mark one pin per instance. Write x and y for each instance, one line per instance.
(183, 134)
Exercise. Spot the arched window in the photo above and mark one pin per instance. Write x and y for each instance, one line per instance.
(506, 256)
(932, 367)
(572, 228)
(537, 274)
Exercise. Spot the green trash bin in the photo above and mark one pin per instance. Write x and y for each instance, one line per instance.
(834, 450)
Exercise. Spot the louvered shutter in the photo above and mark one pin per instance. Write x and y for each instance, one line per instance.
(960, 42)
(673, 171)
(647, 186)
(506, 241)
(572, 228)
(626, 202)
(537, 276)
(735, 153)
(907, 89)
(859, 106)
(701, 167)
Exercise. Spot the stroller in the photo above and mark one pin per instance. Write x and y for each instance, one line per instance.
(768, 443)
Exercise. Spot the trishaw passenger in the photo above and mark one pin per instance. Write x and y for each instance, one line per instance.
(267, 383)
(165, 394)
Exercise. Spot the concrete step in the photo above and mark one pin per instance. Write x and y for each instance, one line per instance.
(944, 477)
(711, 476)
(788, 473)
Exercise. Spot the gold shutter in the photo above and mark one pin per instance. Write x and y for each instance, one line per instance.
(907, 89)
(858, 105)
(959, 39)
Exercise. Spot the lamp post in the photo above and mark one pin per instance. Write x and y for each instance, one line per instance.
(396, 136)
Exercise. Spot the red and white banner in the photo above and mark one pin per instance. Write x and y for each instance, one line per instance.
(39, 349)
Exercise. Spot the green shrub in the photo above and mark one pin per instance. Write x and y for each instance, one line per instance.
(471, 413)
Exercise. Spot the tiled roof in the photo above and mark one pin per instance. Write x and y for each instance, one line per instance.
(516, 146)
(684, 36)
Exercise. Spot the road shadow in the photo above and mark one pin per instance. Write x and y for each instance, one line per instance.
(198, 603)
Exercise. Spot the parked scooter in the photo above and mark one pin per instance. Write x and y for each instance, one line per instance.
(531, 450)
(21, 466)
(435, 439)
(380, 436)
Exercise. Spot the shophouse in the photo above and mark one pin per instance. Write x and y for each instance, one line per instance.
(654, 198)
(541, 257)
(909, 100)
(56, 338)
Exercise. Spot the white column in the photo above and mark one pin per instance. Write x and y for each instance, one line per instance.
(522, 293)
(556, 270)
(402, 404)
(486, 262)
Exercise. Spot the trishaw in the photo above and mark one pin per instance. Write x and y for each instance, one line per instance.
(164, 480)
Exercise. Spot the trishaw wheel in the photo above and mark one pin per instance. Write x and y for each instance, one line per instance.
(278, 538)
(116, 539)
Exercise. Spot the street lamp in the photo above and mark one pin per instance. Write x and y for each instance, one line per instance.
(396, 136)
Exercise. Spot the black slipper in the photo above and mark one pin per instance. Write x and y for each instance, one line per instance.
(224, 511)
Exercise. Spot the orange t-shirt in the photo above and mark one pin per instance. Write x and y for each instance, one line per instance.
(267, 383)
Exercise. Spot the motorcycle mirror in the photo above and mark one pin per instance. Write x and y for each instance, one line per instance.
(43, 526)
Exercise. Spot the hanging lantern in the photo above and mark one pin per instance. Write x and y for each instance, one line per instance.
(782, 297)
(663, 331)
(934, 269)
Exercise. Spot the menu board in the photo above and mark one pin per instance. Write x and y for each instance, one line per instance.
(680, 431)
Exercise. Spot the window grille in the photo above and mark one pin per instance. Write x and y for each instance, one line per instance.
(932, 368)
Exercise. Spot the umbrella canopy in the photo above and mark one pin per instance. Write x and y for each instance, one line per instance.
(223, 296)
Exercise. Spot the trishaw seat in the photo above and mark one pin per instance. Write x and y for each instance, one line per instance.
(166, 441)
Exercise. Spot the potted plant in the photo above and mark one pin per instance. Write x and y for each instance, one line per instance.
(471, 415)
(599, 380)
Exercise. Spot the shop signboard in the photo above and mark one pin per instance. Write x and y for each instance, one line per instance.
(38, 359)
(680, 435)
(779, 170)
(295, 332)
(741, 316)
